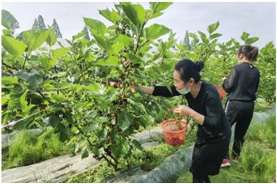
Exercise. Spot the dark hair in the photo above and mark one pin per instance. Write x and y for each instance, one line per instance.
(189, 69)
(249, 52)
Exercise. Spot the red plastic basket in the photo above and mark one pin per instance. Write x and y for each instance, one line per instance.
(174, 131)
(221, 91)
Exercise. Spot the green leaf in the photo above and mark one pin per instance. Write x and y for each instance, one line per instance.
(135, 12)
(52, 38)
(96, 25)
(137, 144)
(49, 87)
(134, 59)
(111, 61)
(213, 36)
(103, 133)
(92, 87)
(13, 46)
(124, 39)
(34, 39)
(203, 37)
(54, 121)
(60, 52)
(4, 100)
(244, 36)
(33, 78)
(213, 27)
(48, 63)
(59, 98)
(156, 15)
(14, 100)
(85, 154)
(117, 47)
(194, 36)
(114, 150)
(155, 31)
(9, 80)
(95, 150)
(102, 41)
(124, 147)
(9, 21)
(124, 120)
(25, 109)
(159, 6)
(251, 40)
(7, 32)
(111, 16)
(90, 127)
(139, 105)
(79, 35)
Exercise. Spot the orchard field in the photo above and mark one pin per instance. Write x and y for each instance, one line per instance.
(81, 111)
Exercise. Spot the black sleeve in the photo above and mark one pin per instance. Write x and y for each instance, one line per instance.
(213, 109)
(258, 82)
(229, 83)
(163, 91)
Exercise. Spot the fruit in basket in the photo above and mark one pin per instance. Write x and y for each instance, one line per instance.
(175, 141)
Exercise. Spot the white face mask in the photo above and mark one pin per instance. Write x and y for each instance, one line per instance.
(184, 91)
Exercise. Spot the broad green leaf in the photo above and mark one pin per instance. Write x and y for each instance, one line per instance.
(124, 120)
(49, 87)
(60, 52)
(54, 121)
(85, 154)
(92, 87)
(103, 42)
(25, 109)
(114, 150)
(155, 31)
(251, 40)
(4, 100)
(59, 98)
(212, 28)
(244, 36)
(117, 46)
(9, 80)
(111, 16)
(213, 36)
(103, 133)
(33, 78)
(124, 147)
(134, 59)
(95, 150)
(96, 25)
(13, 46)
(137, 144)
(14, 101)
(90, 127)
(203, 37)
(159, 6)
(111, 61)
(229, 43)
(79, 35)
(34, 39)
(139, 105)
(7, 32)
(124, 39)
(48, 63)
(60, 74)
(194, 36)
(156, 15)
(52, 38)
(9, 21)
(135, 12)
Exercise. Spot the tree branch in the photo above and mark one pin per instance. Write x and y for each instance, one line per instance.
(9, 66)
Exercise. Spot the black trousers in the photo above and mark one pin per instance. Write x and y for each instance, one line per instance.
(201, 179)
(241, 113)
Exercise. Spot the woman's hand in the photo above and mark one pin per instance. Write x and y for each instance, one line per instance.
(223, 79)
(182, 110)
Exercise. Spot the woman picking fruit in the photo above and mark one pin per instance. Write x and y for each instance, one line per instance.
(241, 86)
(205, 108)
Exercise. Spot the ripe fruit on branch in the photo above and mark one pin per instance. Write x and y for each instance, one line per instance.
(126, 63)
(10, 71)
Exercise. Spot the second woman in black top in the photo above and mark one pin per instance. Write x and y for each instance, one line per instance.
(205, 108)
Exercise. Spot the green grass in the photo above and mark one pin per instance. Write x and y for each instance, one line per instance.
(257, 163)
(28, 149)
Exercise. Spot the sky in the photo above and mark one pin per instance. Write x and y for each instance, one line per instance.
(256, 18)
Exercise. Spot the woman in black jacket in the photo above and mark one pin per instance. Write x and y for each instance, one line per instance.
(241, 86)
(205, 108)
